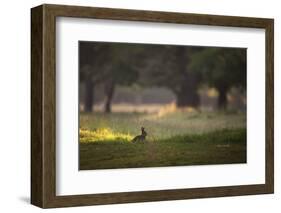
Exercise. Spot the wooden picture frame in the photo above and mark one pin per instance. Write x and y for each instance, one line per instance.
(43, 105)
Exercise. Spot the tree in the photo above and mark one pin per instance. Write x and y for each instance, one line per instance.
(105, 63)
(92, 69)
(187, 85)
(222, 68)
(168, 66)
(120, 74)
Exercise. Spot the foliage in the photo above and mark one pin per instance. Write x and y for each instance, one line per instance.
(221, 67)
(168, 67)
(103, 61)
(182, 69)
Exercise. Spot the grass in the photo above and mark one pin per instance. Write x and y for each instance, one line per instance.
(175, 139)
(103, 135)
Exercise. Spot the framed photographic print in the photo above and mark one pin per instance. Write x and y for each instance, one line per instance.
(135, 106)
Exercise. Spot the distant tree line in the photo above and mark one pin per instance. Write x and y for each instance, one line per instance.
(182, 69)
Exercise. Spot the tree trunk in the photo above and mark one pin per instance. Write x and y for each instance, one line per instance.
(89, 96)
(222, 99)
(109, 96)
(187, 95)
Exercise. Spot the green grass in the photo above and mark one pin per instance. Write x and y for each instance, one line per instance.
(175, 139)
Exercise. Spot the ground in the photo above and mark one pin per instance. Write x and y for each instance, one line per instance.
(174, 139)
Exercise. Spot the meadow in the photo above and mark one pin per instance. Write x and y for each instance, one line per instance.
(174, 138)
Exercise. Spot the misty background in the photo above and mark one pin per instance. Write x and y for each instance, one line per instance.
(124, 77)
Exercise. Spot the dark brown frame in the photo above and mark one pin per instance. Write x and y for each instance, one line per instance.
(43, 105)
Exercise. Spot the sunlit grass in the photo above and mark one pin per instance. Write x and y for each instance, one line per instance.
(103, 135)
(169, 124)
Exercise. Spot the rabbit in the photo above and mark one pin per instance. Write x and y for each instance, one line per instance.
(140, 138)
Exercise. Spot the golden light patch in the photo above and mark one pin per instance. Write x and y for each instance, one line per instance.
(103, 134)
(212, 92)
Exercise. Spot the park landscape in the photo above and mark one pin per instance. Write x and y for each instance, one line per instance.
(147, 105)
